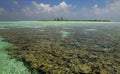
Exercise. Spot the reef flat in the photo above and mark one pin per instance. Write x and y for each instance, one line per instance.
(85, 50)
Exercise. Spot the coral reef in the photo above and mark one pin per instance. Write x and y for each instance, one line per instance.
(45, 51)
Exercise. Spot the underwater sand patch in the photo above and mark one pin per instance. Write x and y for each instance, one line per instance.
(65, 33)
(90, 30)
(7, 65)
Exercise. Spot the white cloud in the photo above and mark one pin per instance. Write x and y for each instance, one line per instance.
(64, 5)
(44, 10)
(111, 11)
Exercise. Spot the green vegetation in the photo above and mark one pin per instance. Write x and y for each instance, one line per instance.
(91, 20)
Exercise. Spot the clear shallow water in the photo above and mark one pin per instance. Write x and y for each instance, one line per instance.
(39, 24)
(7, 65)
(29, 24)
(89, 31)
(64, 34)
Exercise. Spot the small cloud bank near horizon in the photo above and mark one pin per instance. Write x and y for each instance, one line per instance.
(42, 11)
(46, 11)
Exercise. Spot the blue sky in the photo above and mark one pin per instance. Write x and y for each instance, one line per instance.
(50, 9)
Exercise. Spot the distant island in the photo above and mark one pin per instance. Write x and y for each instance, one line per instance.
(90, 20)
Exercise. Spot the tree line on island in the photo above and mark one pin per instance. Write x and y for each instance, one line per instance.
(89, 20)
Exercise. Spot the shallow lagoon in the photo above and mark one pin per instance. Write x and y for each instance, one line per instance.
(7, 65)
(97, 43)
(38, 24)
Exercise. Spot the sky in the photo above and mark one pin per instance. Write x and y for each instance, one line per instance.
(24, 10)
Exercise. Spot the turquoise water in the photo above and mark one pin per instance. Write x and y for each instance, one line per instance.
(29, 24)
(64, 34)
(39, 24)
(7, 65)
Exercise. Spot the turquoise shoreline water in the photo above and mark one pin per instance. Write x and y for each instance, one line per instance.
(7, 65)
(39, 24)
